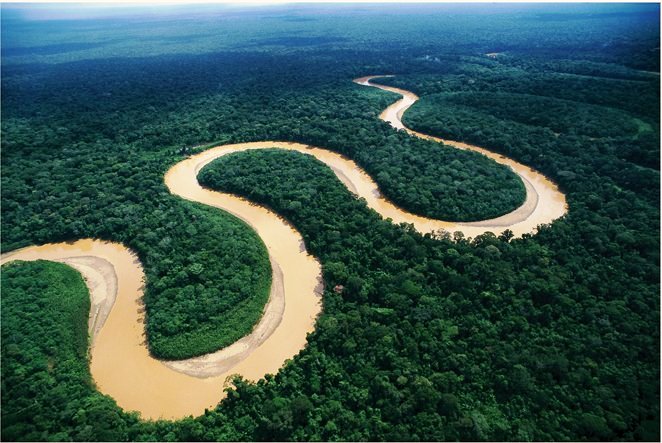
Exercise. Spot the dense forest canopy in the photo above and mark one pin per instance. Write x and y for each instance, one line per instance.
(554, 336)
(608, 33)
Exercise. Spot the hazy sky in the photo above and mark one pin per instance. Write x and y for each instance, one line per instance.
(78, 11)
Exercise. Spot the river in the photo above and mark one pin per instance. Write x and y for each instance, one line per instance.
(121, 365)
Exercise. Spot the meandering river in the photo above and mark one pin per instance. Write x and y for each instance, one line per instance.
(121, 365)
(543, 204)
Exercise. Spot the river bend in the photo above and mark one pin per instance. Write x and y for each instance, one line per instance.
(121, 365)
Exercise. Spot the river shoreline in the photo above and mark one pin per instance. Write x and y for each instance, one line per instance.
(543, 204)
(121, 365)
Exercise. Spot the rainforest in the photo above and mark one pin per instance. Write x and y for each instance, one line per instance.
(393, 222)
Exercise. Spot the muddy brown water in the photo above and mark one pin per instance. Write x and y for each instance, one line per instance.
(543, 204)
(121, 365)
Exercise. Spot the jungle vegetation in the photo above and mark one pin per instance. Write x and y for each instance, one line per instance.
(47, 391)
(554, 336)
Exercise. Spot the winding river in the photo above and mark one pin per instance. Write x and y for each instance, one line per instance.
(121, 365)
(543, 204)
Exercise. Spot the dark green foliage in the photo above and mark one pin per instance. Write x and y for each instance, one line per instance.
(531, 138)
(525, 76)
(559, 116)
(512, 335)
(208, 274)
(47, 391)
(309, 107)
(551, 337)
(213, 296)
(442, 182)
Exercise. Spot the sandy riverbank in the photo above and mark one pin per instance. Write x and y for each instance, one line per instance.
(120, 362)
(121, 365)
(544, 202)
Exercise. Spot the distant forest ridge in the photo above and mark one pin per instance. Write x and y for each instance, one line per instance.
(53, 34)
